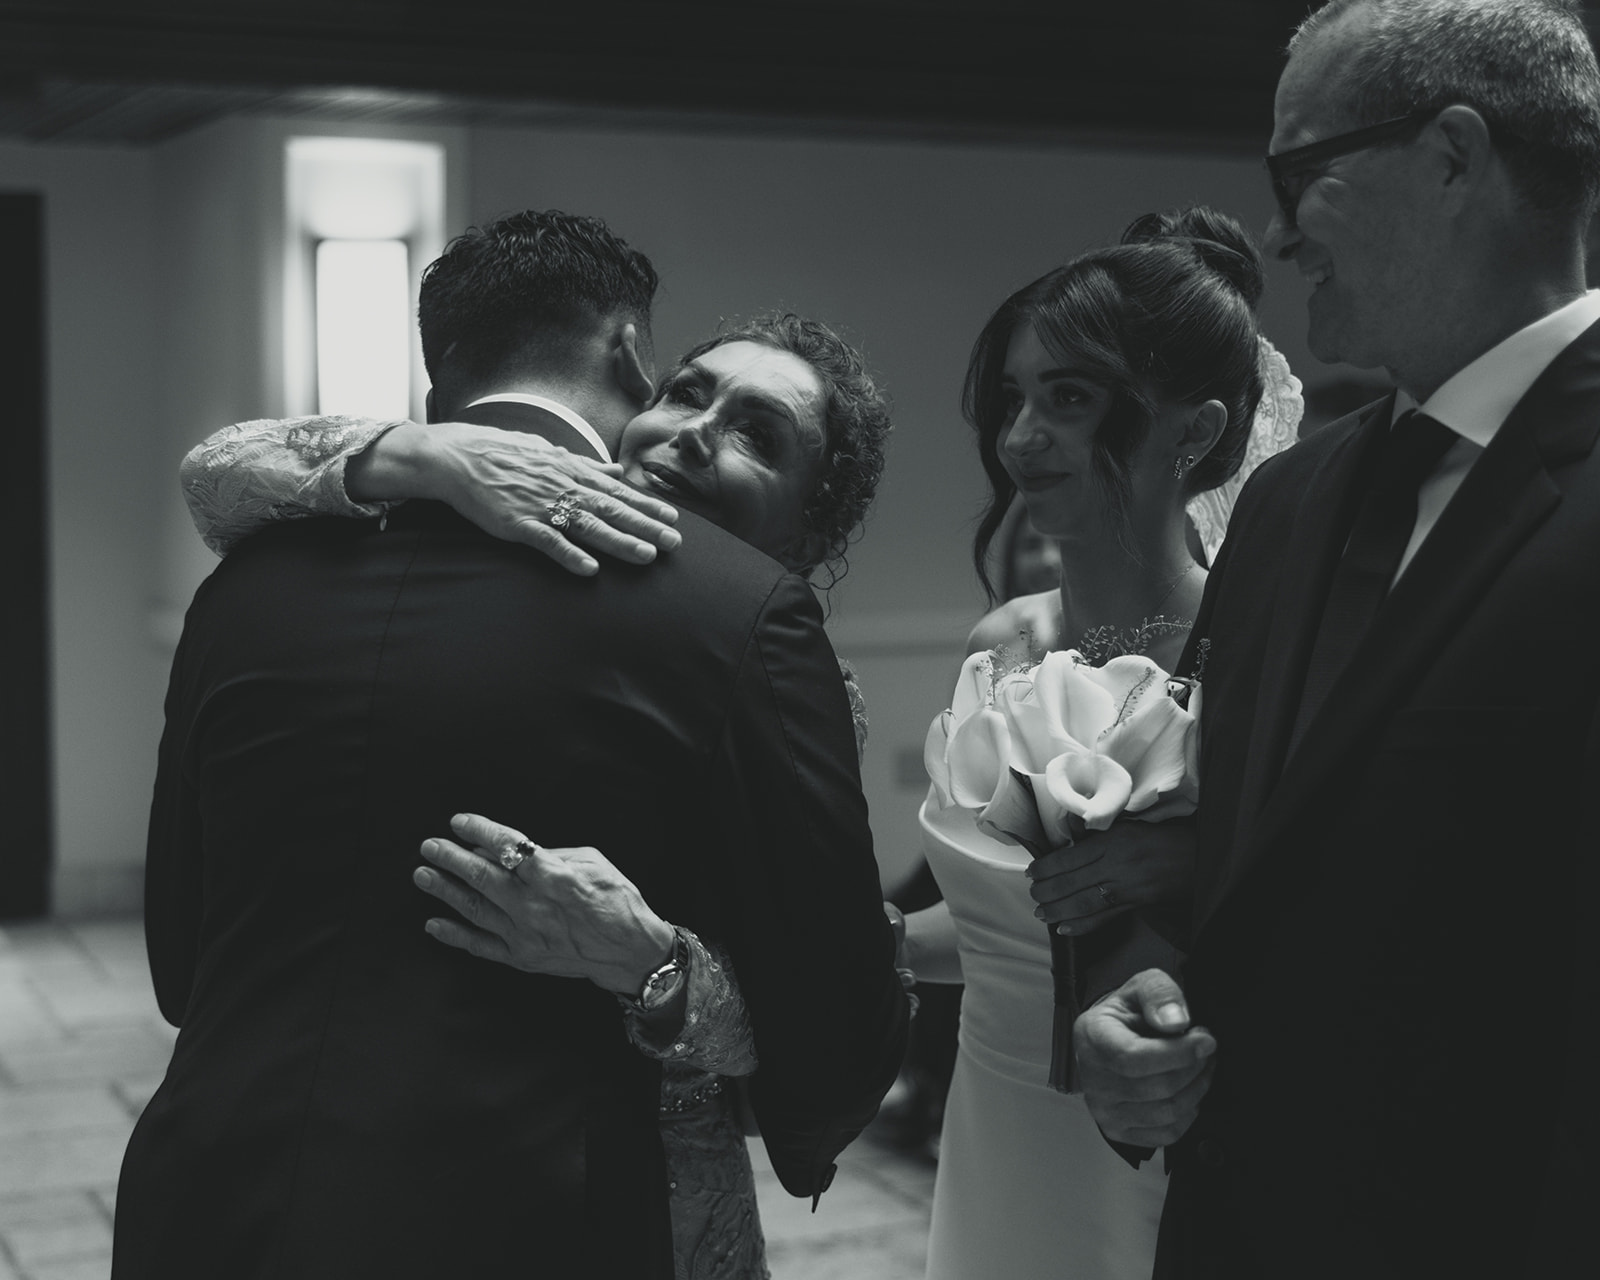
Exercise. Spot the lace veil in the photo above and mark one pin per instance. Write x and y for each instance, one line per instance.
(1275, 428)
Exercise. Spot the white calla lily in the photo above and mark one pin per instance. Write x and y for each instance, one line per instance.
(1127, 681)
(935, 751)
(1085, 706)
(980, 747)
(1033, 716)
(1092, 787)
(1013, 816)
(1152, 745)
(973, 686)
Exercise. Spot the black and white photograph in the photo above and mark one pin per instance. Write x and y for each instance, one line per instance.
(735, 640)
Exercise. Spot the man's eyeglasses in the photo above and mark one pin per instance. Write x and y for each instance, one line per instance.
(1293, 171)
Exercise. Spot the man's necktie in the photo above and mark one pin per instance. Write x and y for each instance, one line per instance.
(1383, 526)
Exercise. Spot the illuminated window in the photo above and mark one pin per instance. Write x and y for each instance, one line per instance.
(363, 328)
(364, 216)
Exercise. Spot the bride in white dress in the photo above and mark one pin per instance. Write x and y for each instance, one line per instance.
(1118, 395)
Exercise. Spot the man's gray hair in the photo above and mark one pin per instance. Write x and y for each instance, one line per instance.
(1527, 66)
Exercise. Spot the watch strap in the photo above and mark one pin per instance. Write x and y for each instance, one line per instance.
(665, 981)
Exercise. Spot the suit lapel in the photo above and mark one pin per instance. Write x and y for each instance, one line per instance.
(1508, 493)
(1316, 539)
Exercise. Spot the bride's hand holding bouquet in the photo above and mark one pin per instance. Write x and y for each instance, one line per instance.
(1130, 866)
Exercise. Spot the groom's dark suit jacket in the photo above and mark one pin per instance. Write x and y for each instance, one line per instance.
(348, 1097)
(1393, 933)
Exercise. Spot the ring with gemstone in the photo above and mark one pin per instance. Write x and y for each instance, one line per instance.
(1107, 897)
(560, 512)
(519, 853)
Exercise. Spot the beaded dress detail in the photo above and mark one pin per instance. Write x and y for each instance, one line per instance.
(1101, 644)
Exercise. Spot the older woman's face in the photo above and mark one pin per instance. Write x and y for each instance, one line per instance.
(736, 437)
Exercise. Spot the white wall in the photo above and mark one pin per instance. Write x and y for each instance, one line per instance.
(162, 274)
(106, 678)
(220, 242)
(164, 323)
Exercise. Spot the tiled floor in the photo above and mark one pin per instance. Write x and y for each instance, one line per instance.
(82, 1047)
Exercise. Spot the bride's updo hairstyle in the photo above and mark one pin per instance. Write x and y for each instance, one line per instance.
(1165, 316)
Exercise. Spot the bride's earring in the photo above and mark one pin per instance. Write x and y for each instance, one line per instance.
(1182, 465)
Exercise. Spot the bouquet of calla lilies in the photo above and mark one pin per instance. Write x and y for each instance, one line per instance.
(1042, 752)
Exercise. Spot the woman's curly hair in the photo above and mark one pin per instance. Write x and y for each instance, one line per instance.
(856, 426)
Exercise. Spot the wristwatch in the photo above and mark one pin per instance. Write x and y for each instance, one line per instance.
(665, 982)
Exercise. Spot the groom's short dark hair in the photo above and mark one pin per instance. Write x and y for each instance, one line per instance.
(519, 295)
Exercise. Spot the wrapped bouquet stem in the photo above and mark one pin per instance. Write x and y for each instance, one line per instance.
(1042, 754)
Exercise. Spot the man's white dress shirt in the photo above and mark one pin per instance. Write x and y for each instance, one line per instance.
(574, 420)
(1475, 402)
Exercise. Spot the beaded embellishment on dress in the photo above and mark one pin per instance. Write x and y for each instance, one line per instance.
(1100, 644)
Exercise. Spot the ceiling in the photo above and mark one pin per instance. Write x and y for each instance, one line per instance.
(134, 72)
(139, 71)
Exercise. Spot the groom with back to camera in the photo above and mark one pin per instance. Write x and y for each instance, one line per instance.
(1391, 976)
(347, 1097)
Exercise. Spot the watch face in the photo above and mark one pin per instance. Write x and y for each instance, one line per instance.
(661, 986)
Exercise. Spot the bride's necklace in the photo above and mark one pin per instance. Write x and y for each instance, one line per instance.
(1099, 645)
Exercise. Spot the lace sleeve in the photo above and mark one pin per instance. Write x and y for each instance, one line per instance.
(716, 1034)
(257, 473)
(858, 706)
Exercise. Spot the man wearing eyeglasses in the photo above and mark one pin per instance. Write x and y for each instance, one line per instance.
(1382, 1060)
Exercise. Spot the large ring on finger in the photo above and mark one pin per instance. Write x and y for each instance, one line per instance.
(560, 512)
(1108, 896)
(517, 854)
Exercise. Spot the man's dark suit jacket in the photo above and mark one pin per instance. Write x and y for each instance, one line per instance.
(1392, 938)
(348, 1097)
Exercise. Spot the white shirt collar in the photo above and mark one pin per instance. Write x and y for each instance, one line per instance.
(572, 419)
(1477, 400)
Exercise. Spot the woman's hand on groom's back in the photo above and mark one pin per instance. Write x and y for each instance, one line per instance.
(565, 912)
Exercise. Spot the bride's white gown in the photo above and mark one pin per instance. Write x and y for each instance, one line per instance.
(1027, 1188)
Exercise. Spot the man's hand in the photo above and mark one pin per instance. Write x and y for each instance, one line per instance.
(1143, 1067)
(1130, 864)
(566, 912)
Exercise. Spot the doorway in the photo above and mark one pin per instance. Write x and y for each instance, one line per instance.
(25, 854)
